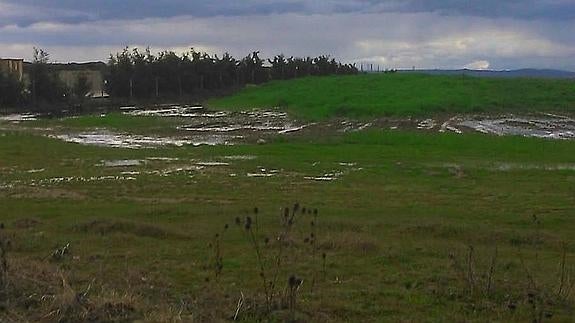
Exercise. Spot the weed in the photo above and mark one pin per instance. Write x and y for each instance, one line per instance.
(539, 296)
(3, 265)
(274, 259)
(217, 262)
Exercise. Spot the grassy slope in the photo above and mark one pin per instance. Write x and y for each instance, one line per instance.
(389, 227)
(402, 95)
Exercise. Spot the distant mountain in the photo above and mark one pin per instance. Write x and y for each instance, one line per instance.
(527, 72)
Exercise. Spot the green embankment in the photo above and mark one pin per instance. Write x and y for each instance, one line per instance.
(376, 95)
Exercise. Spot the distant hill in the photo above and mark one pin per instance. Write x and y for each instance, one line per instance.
(527, 72)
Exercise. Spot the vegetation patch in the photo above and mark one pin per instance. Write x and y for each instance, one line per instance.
(105, 227)
(401, 95)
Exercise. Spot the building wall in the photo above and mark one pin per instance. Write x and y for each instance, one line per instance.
(13, 66)
(95, 79)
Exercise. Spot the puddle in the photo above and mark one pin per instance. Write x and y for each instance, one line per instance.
(166, 159)
(6, 186)
(201, 127)
(174, 170)
(320, 178)
(118, 140)
(507, 167)
(33, 171)
(240, 157)
(229, 128)
(260, 175)
(426, 124)
(516, 166)
(293, 129)
(212, 164)
(59, 180)
(540, 126)
(19, 117)
(121, 163)
(549, 126)
(174, 111)
(130, 173)
(201, 120)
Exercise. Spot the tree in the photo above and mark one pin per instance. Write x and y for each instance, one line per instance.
(46, 87)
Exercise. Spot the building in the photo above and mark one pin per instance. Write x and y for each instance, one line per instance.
(93, 73)
(94, 79)
(12, 67)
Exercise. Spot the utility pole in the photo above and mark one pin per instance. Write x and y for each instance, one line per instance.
(157, 88)
(131, 88)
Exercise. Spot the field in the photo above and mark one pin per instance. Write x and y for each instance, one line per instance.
(411, 226)
(376, 95)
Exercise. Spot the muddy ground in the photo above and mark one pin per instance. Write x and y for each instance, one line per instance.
(198, 126)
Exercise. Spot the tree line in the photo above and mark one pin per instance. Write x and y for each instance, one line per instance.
(142, 75)
(138, 74)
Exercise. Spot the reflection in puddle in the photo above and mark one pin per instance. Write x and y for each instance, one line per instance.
(19, 117)
(122, 163)
(116, 140)
(259, 175)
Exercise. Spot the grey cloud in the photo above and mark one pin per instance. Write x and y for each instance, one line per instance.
(426, 40)
(74, 11)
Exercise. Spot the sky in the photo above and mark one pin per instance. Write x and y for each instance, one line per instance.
(447, 34)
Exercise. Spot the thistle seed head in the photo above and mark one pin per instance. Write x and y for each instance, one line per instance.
(248, 225)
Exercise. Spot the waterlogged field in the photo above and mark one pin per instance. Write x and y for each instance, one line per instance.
(335, 221)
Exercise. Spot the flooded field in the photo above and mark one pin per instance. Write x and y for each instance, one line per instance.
(196, 126)
(123, 140)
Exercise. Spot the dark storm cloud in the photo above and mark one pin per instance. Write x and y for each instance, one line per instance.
(496, 34)
(71, 11)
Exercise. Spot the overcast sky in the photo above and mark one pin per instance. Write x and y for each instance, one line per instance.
(494, 34)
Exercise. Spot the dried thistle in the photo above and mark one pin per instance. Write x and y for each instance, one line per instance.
(248, 224)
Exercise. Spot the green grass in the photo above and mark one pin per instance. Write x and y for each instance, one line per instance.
(376, 95)
(388, 226)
